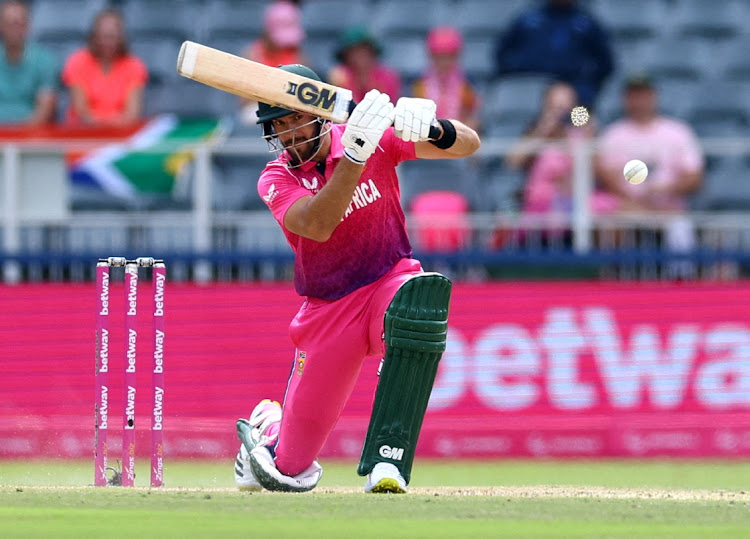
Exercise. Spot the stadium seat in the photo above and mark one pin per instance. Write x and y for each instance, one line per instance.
(681, 58)
(677, 98)
(733, 62)
(725, 187)
(320, 54)
(233, 18)
(331, 17)
(634, 55)
(516, 98)
(486, 17)
(721, 101)
(438, 175)
(707, 19)
(478, 59)
(159, 55)
(631, 19)
(501, 187)
(236, 179)
(406, 55)
(49, 20)
(189, 99)
(174, 19)
(397, 17)
(62, 46)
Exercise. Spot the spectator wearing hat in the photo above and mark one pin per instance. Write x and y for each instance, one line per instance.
(106, 82)
(668, 146)
(28, 73)
(561, 39)
(280, 44)
(445, 82)
(359, 68)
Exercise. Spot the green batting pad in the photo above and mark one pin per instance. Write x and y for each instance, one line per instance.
(416, 323)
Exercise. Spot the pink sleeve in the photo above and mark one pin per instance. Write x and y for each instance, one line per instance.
(397, 148)
(279, 190)
(691, 155)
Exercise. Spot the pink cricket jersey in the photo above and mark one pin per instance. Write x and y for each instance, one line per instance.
(371, 237)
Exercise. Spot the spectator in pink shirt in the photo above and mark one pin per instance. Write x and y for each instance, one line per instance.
(668, 146)
(359, 68)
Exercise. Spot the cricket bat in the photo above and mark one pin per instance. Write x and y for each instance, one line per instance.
(259, 82)
(271, 85)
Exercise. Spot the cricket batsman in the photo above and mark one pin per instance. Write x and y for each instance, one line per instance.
(335, 193)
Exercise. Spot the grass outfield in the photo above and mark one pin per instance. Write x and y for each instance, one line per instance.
(457, 499)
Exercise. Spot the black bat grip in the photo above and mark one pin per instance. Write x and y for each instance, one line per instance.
(434, 129)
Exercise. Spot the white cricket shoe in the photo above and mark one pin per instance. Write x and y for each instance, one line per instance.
(243, 472)
(385, 477)
(263, 425)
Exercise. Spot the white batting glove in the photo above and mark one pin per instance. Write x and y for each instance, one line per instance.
(413, 118)
(366, 126)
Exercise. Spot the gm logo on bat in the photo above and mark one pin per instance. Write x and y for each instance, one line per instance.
(309, 94)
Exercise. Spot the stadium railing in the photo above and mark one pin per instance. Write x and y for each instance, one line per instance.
(204, 244)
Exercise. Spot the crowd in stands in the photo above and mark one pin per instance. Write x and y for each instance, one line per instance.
(104, 83)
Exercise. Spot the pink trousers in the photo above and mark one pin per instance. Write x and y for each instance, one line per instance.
(332, 339)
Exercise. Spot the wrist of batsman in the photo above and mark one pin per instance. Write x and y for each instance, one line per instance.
(448, 137)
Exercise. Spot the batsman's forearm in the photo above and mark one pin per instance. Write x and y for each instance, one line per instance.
(467, 140)
(324, 211)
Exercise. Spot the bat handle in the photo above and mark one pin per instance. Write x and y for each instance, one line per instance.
(434, 129)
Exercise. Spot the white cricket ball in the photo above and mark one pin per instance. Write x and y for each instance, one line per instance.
(579, 116)
(635, 171)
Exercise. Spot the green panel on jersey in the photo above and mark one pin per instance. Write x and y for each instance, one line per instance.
(416, 323)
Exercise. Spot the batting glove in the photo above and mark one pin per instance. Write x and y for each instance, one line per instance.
(366, 126)
(413, 118)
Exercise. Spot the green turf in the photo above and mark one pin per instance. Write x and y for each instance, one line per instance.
(705, 474)
(27, 511)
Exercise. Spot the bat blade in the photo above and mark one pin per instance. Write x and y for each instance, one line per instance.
(259, 82)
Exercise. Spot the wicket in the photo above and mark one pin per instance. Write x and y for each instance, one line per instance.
(101, 399)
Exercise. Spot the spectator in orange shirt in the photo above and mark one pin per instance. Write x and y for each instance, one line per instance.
(280, 44)
(445, 82)
(359, 68)
(105, 81)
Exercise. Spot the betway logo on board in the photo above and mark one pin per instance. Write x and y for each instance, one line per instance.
(579, 359)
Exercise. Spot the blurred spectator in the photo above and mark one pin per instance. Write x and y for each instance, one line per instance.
(28, 73)
(549, 169)
(668, 146)
(445, 82)
(106, 82)
(359, 68)
(561, 39)
(280, 44)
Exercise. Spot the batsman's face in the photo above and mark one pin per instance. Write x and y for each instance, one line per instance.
(297, 133)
